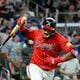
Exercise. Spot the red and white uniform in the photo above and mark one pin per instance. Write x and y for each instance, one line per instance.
(46, 47)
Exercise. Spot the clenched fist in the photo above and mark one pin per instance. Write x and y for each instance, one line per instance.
(22, 21)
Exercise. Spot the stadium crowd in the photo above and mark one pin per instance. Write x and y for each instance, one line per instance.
(16, 53)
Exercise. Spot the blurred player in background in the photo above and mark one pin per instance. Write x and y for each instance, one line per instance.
(46, 51)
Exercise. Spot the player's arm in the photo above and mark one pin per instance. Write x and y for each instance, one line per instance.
(69, 51)
(24, 31)
(69, 55)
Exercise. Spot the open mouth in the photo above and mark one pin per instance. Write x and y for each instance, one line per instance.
(46, 35)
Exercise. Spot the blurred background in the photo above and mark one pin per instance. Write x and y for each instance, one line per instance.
(15, 55)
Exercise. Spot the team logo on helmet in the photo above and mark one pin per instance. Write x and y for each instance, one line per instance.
(48, 23)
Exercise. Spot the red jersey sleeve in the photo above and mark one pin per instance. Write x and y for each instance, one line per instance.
(29, 33)
(65, 45)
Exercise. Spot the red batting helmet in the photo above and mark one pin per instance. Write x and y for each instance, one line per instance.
(49, 23)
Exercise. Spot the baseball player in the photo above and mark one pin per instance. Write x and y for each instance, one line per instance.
(48, 44)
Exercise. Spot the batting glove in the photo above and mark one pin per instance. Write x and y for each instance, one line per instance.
(19, 21)
(22, 28)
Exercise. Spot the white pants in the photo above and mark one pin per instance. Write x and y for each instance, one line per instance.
(36, 73)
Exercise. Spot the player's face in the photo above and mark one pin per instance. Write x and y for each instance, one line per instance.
(47, 33)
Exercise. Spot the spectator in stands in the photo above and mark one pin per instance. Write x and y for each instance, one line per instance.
(63, 4)
(3, 25)
(25, 10)
(70, 16)
(49, 5)
(69, 69)
(16, 69)
(12, 10)
(77, 16)
(18, 4)
(77, 4)
(4, 61)
(25, 54)
(30, 13)
(35, 24)
(56, 4)
(3, 9)
(76, 41)
(3, 37)
(14, 48)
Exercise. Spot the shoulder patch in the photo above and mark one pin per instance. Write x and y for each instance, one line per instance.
(68, 44)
